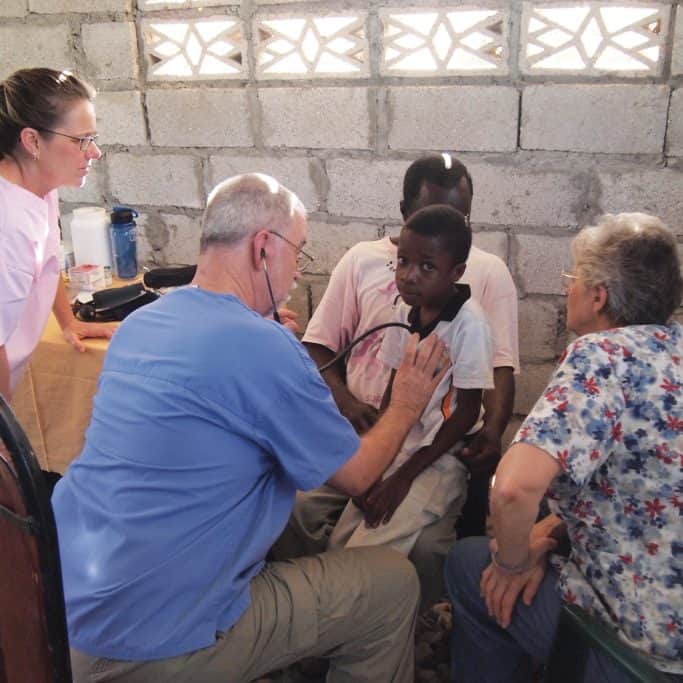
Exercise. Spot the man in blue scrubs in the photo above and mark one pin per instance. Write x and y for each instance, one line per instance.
(207, 419)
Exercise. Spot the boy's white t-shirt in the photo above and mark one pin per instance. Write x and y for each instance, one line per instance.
(469, 347)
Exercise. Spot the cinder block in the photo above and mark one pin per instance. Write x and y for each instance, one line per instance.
(168, 239)
(657, 191)
(530, 385)
(541, 328)
(539, 260)
(24, 46)
(156, 180)
(199, 118)
(120, 119)
(492, 242)
(63, 6)
(462, 118)
(296, 174)
(13, 8)
(677, 58)
(111, 50)
(90, 193)
(370, 189)
(674, 135)
(629, 119)
(315, 117)
(525, 191)
(328, 242)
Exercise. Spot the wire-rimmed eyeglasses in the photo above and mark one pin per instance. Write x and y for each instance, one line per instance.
(84, 141)
(568, 279)
(303, 260)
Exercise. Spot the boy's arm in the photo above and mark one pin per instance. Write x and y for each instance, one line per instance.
(483, 453)
(381, 501)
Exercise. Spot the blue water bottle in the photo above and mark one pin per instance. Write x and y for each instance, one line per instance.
(123, 233)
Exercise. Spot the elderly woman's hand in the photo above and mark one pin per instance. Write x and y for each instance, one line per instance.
(77, 330)
(500, 590)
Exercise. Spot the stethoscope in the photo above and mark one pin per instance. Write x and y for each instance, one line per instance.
(348, 347)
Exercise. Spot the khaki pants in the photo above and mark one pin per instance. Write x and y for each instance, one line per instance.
(316, 513)
(355, 606)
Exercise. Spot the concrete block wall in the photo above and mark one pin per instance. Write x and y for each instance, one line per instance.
(549, 150)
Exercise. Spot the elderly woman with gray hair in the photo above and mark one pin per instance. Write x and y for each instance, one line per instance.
(605, 444)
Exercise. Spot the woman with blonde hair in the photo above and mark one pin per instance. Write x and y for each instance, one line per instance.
(605, 444)
(47, 140)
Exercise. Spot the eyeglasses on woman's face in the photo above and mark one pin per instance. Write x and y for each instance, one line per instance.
(84, 141)
(568, 280)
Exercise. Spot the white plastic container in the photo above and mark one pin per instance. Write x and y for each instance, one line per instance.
(90, 238)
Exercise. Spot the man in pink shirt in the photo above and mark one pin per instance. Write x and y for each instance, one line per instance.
(359, 296)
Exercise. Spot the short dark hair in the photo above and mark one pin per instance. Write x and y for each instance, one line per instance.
(446, 224)
(36, 98)
(434, 169)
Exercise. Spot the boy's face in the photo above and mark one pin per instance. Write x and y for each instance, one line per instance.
(425, 272)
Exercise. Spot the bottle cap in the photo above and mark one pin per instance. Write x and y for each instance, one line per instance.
(123, 214)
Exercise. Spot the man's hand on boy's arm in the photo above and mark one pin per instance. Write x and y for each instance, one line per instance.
(483, 453)
(361, 415)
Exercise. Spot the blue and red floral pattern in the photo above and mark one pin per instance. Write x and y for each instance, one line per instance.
(612, 416)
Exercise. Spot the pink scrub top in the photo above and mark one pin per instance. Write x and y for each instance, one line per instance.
(29, 271)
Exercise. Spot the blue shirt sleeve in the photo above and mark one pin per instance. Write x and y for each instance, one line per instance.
(301, 424)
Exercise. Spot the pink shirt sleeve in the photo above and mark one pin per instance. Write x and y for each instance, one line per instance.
(17, 267)
(499, 301)
(335, 320)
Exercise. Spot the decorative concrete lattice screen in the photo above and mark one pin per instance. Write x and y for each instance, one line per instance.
(588, 38)
(310, 46)
(443, 42)
(596, 39)
(202, 48)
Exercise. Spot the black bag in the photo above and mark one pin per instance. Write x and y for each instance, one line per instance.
(113, 304)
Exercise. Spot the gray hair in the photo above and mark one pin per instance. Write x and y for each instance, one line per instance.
(242, 205)
(634, 256)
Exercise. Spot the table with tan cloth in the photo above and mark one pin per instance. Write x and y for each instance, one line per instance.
(53, 402)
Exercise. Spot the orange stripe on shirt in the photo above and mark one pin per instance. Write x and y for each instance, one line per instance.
(446, 403)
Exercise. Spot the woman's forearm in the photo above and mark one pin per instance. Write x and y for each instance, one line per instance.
(522, 478)
(513, 516)
(61, 306)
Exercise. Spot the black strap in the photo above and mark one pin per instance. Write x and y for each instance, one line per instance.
(28, 524)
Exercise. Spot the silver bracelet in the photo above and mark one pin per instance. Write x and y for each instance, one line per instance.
(510, 568)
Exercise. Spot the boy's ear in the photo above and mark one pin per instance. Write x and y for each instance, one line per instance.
(458, 271)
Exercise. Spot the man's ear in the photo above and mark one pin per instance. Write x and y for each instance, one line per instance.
(458, 271)
(258, 253)
(402, 207)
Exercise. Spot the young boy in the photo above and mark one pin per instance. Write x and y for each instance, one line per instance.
(426, 476)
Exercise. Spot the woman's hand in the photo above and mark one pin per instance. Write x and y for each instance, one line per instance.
(500, 590)
(76, 330)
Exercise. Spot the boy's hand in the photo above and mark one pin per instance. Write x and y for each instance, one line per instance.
(482, 454)
(380, 503)
(361, 415)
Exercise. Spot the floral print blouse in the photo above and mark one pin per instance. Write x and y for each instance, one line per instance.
(612, 416)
